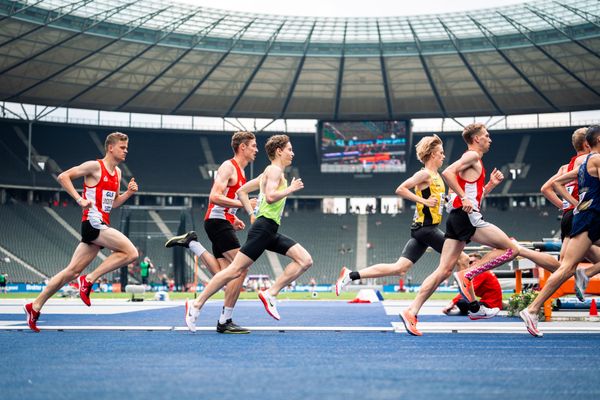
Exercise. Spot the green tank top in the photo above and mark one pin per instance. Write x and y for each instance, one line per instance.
(272, 211)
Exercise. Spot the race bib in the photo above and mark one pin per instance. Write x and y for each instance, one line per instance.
(108, 197)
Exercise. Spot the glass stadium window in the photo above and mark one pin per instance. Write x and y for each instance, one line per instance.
(334, 205)
(391, 205)
(363, 205)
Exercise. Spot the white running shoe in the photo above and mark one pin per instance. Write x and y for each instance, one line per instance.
(191, 315)
(342, 280)
(484, 313)
(531, 322)
(270, 303)
(581, 282)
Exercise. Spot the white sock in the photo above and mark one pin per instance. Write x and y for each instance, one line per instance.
(226, 314)
(197, 248)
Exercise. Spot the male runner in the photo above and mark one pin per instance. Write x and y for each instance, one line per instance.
(567, 205)
(585, 230)
(429, 196)
(263, 234)
(101, 181)
(221, 222)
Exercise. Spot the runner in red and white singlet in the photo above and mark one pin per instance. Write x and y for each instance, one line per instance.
(221, 222)
(100, 196)
(228, 213)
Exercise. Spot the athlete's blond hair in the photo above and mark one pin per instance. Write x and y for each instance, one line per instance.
(426, 146)
(114, 138)
(578, 139)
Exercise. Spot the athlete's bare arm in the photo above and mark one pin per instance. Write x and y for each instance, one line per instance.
(225, 174)
(132, 187)
(496, 177)
(419, 179)
(547, 190)
(272, 178)
(248, 187)
(558, 184)
(468, 160)
(89, 170)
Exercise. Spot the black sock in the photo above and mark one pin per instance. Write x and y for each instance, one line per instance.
(474, 306)
(354, 275)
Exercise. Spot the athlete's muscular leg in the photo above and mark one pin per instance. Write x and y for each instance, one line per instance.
(450, 254)
(401, 266)
(578, 246)
(124, 252)
(493, 236)
(302, 261)
(234, 287)
(237, 268)
(82, 257)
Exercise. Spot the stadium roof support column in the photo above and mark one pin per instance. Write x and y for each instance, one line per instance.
(455, 43)
(200, 35)
(527, 34)
(132, 27)
(270, 43)
(234, 41)
(562, 28)
(286, 103)
(491, 39)
(386, 88)
(340, 79)
(427, 72)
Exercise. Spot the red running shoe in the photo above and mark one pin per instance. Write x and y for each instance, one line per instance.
(410, 323)
(85, 288)
(32, 316)
(463, 285)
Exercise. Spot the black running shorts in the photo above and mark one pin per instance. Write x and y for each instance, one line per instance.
(222, 236)
(421, 239)
(459, 226)
(89, 233)
(263, 236)
(566, 224)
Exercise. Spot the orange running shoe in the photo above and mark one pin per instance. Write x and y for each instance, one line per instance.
(410, 323)
(464, 285)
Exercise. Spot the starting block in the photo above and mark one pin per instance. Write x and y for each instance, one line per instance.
(135, 289)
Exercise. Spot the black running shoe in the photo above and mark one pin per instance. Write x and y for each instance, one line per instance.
(182, 240)
(230, 327)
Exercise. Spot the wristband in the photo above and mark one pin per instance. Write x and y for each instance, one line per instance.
(79, 200)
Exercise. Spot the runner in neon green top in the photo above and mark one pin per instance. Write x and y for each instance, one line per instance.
(272, 210)
(263, 235)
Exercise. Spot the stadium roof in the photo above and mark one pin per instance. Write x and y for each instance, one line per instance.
(168, 58)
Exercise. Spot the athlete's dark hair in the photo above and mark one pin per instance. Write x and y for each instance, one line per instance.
(592, 135)
(239, 138)
(276, 142)
(471, 131)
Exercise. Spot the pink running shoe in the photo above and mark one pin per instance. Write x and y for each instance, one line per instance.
(32, 316)
(85, 289)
